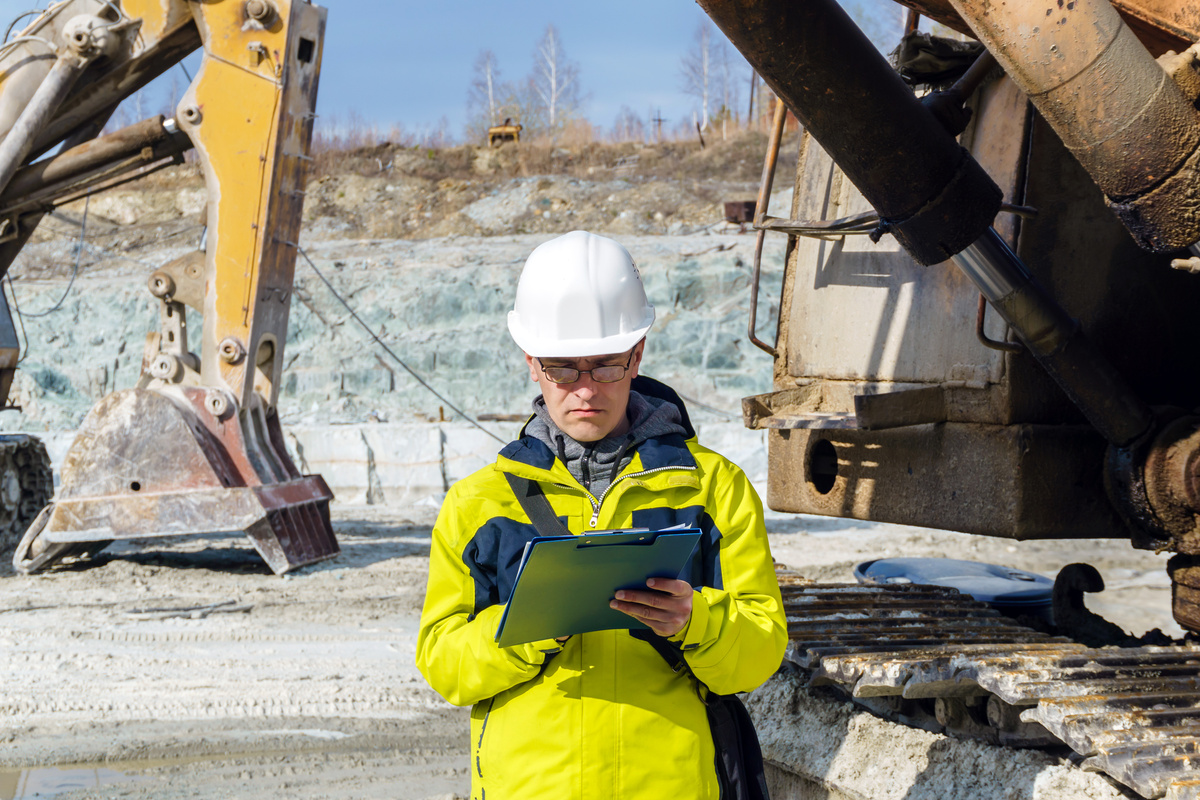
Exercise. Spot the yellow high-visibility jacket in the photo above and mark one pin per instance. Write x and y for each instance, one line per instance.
(602, 716)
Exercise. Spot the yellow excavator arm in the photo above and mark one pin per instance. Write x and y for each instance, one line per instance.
(196, 448)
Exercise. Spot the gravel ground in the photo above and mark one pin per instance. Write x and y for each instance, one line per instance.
(174, 670)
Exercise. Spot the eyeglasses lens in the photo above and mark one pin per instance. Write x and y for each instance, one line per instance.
(606, 374)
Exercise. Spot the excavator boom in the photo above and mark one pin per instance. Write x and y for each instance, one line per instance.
(196, 446)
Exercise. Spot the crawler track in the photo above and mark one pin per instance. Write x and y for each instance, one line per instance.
(937, 659)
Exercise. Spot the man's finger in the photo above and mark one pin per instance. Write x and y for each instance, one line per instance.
(675, 588)
(652, 599)
(641, 611)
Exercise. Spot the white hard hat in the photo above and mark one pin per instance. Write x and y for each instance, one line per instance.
(580, 295)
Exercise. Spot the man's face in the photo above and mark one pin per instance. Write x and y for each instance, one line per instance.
(587, 410)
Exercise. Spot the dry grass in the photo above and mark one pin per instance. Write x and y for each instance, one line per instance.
(579, 148)
(738, 155)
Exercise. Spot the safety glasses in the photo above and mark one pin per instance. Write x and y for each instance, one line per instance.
(609, 373)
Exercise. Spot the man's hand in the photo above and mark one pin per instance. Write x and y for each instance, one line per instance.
(666, 608)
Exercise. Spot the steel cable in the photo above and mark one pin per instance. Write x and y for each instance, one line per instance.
(74, 271)
(388, 350)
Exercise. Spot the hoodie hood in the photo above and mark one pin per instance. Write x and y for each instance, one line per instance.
(596, 464)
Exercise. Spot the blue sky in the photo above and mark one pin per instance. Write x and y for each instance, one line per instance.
(410, 61)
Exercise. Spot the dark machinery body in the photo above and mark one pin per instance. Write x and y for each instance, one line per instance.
(986, 327)
(1008, 351)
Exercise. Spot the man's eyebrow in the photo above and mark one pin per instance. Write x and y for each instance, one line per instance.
(572, 362)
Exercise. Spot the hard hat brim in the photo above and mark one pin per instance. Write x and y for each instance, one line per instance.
(540, 347)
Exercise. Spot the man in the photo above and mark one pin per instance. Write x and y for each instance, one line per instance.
(598, 715)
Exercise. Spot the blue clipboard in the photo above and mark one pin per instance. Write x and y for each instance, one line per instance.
(565, 583)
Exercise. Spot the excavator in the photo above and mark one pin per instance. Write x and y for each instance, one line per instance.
(196, 447)
(986, 326)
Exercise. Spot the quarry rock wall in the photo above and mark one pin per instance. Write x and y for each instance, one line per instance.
(356, 415)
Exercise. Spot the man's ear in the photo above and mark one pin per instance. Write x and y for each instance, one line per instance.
(638, 349)
(533, 370)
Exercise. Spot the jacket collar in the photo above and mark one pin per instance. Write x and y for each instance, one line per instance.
(655, 453)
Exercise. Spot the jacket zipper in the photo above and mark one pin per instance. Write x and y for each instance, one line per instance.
(479, 745)
(597, 503)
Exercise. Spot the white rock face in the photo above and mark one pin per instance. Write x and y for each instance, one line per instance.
(356, 415)
(438, 304)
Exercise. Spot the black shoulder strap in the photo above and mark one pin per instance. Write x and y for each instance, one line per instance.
(536, 506)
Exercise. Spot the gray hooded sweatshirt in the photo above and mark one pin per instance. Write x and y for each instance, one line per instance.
(596, 464)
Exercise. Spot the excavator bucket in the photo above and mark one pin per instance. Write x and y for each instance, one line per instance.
(178, 462)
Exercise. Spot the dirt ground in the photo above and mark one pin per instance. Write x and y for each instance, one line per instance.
(176, 670)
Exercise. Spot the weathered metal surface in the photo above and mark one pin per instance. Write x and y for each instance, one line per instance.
(985, 479)
(50, 181)
(19, 140)
(40, 66)
(760, 213)
(1127, 122)
(862, 310)
(854, 322)
(933, 197)
(259, 85)
(197, 447)
(897, 409)
(1185, 590)
(937, 659)
(1161, 25)
(1082, 371)
(165, 33)
(992, 344)
(149, 464)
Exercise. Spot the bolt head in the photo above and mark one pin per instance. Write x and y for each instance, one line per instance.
(165, 367)
(258, 10)
(231, 350)
(217, 403)
(161, 285)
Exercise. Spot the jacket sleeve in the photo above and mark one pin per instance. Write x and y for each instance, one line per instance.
(457, 652)
(737, 634)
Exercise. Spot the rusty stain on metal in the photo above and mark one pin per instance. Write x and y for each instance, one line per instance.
(940, 660)
(1126, 120)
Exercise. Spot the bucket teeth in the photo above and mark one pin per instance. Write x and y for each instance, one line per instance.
(150, 463)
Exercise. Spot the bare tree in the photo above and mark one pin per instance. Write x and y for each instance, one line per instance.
(697, 70)
(555, 80)
(729, 85)
(485, 96)
(486, 86)
(628, 126)
(522, 103)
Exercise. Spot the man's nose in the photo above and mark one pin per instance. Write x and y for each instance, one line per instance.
(585, 385)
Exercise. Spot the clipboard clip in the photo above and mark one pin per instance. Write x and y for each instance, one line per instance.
(633, 538)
